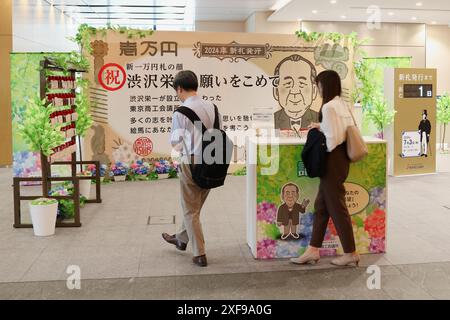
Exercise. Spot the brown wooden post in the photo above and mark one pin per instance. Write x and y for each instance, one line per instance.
(76, 201)
(45, 175)
(17, 219)
(97, 182)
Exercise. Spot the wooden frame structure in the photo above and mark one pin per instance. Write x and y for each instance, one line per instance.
(46, 166)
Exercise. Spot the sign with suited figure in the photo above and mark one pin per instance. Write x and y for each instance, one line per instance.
(411, 92)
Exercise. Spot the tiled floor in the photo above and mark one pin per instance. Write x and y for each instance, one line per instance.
(115, 242)
(418, 281)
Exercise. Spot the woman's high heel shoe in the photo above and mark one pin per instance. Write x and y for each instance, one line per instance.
(346, 260)
(307, 257)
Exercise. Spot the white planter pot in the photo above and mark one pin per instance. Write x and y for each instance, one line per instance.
(43, 218)
(85, 188)
(119, 178)
(163, 176)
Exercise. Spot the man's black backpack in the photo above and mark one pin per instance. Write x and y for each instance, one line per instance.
(211, 172)
(314, 154)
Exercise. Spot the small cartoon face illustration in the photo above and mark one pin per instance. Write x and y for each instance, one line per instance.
(290, 194)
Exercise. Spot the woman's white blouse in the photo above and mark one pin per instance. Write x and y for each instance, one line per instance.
(336, 118)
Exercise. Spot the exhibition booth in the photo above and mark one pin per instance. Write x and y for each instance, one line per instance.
(105, 116)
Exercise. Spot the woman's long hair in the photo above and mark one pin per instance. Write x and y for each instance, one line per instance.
(331, 86)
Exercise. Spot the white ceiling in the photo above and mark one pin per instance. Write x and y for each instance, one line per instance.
(404, 11)
(140, 12)
(182, 14)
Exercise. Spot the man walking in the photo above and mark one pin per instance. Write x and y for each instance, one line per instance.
(186, 138)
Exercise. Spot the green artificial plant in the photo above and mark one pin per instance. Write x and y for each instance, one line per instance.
(86, 32)
(380, 115)
(84, 121)
(72, 61)
(443, 115)
(37, 130)
(352, 39)
(365, 91)
(43, 202)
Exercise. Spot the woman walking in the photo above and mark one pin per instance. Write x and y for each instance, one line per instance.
(334, 117)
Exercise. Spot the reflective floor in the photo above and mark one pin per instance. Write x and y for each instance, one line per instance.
(121, 256)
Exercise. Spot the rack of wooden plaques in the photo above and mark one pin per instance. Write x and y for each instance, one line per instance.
(64, 98)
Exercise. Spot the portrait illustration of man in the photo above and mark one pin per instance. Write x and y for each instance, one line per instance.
(295, 92)
(425, 131)
(288, 214)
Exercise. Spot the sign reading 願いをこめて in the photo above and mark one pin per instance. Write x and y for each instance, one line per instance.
(133, 96)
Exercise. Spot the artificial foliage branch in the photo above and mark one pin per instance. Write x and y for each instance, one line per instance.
(86, 32)
(84, 121)
(72, 61)
(37, 130)
(365, 91)
(443, 115)
(336, 38)
(380, 115)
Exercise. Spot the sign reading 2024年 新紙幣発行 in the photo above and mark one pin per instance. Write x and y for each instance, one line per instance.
(133, 96)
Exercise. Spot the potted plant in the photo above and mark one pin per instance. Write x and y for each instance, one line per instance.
(66, 207)
(85, 184)
(162, 168)
(139, 170)
(173, 170)
(103, 168)
(119, 171)
(43, 213)
(153, 175)
(443, 116)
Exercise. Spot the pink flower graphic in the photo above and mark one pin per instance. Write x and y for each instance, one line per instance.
(266, 249)
(266, 212)
(377, 245)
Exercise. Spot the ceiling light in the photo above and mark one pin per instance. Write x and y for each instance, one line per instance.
(343, 17)
(299, 19)
(333, 1)
(433, 22)
(315, 11)
(391, 13)
(419, 4)
(414, 18)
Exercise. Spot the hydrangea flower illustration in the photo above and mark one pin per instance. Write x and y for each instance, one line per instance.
(328, 235)
(378, 197)
(266, 212)
(332, 228)
(375, 224)
(306, 226)
(261, 227)
(266, 249)
(119, 169)
(140, 168)
(288, 249)
(26, 164)
(377, 245)
(92, 169)
(362, 239)
(327, 252)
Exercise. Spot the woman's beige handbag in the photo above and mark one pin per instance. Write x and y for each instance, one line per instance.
(356, 146)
